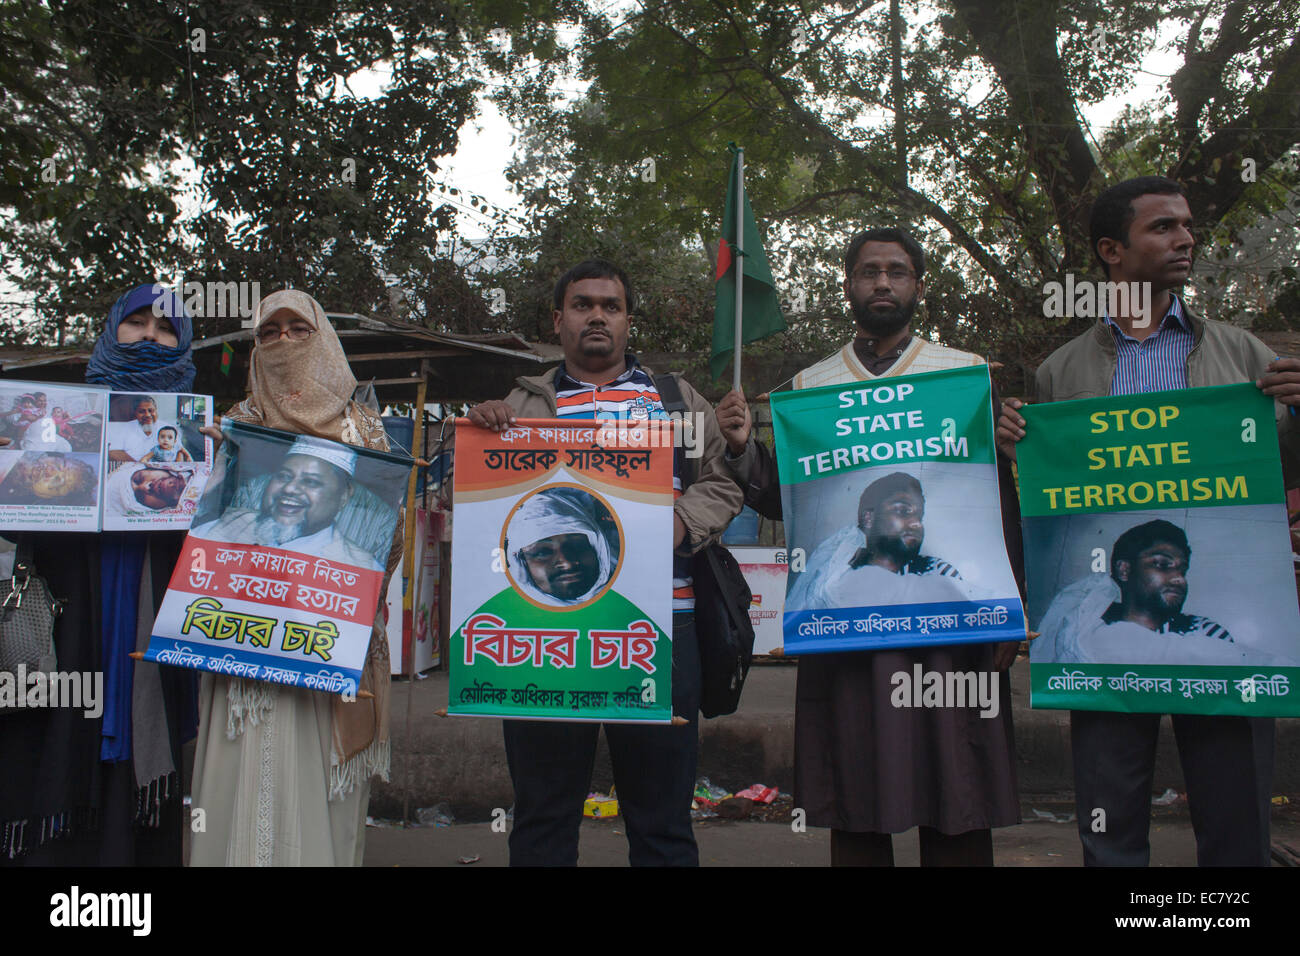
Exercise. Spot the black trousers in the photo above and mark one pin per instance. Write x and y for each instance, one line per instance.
(654, 775)
(1227, 765)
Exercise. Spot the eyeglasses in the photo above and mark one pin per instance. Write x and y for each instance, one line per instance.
(271, 333)
(896, 276)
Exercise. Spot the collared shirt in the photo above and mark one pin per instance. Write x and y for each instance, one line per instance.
(630, 397)
(1159, 361)
(880, 364)
(131, 438)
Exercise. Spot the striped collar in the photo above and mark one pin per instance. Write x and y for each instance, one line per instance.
(1176, 312)
(565, 382)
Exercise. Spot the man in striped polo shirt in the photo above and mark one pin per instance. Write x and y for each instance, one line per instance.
(654, 767)
(1141, 231)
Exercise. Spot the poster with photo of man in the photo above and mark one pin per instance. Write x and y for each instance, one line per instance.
(157, 460)
(892, 517)
(1158, 556)
(282, 569)
(561, 602)
(51, 470)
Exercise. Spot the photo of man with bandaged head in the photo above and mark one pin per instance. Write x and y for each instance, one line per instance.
(302, 499)
(1134, 614)
(138, 488)
(562, 547)
(878, 560)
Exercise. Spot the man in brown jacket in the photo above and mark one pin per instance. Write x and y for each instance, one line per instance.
(654, 767)
(1141, 233)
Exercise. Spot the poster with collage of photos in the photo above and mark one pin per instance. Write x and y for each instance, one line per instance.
(82, 458)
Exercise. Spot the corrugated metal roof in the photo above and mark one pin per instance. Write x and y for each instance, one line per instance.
(492, 342)
(15, 358)
(31, 356)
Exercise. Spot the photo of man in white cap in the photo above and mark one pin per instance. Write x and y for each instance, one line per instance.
(302, 500)
(559, 551)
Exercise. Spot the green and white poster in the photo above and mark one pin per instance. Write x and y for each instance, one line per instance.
(561, 596)
(892, 515)
(1158, 555)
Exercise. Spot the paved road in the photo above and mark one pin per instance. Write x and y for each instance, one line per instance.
(726, 843)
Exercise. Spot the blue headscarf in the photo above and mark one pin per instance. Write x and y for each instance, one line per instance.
(144, 366)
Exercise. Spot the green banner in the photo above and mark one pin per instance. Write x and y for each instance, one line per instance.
(892, 515)
(934, 416)
(1194, 447)
(1158, 554)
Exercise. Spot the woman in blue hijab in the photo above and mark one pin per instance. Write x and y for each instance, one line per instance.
(101, 785)
(146, 344)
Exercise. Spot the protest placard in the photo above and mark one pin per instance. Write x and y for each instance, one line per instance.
(281, 573)
(1158, 556)
(157, 462)
(892, 519)
(52, 468)
(561, 596)
(765, 571)
(83, 458)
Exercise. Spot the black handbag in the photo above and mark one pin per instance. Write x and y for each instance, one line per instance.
(723, 628)
(27, 615)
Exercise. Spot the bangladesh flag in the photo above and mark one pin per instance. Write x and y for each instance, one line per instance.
(227, 357)
(761, 310)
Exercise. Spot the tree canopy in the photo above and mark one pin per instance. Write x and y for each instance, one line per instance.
(972, 133)
(222, 140)
(229, 140)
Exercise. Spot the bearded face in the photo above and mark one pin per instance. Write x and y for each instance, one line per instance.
(304, 496)
(1156, 582)
(883, 289)
(895, 527)
(564, 566)
(883, 314)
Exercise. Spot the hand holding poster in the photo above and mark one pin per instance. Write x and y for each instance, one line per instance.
(892, 515)
(561, 596)
(1158, 555)
(280, 576)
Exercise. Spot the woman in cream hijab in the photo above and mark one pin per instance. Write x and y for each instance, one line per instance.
(282, 773)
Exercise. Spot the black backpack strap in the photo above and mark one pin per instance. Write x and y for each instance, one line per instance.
(670, 392)
(670, 395)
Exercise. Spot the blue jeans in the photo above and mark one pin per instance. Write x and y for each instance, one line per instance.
(654, 774)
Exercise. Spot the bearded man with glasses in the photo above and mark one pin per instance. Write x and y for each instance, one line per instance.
(863, 767)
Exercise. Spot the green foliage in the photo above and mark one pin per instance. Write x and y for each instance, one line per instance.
(1000, 168)
(222, 140)
(228, 160)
